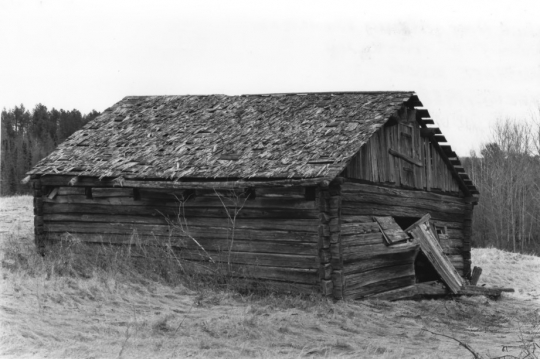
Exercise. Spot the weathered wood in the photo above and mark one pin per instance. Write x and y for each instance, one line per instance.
(392, 232)
(377, 287)
(303, 225)
(438, 289)
(359, 228)
(326, 287)
(325, 271)
(422, 233)
(361, 279)
(204, 202)
(373, 198)
(405, 157)
(262, 259)
(359, 208)
(380, 260)
(53, 193)
(220, 241)
(476, 273)
(337, 281)
(51, 180)
(408, 292)
(369, 251)
(350, 242)
(355, 219)
(357, 187)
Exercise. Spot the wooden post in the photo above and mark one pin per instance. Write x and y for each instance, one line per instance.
(467, 234)
(477, 271)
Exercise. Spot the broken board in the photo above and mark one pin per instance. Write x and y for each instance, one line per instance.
(392, 232)
(423, 234)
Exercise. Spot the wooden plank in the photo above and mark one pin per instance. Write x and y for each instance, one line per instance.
(204, 202)
(391, 230)
(180, 239)
(303, 225)
(355, 240)
(359, 228)
(53, 193)
(408, 292)
(358, 188)
(427, 206)
(361, 279)
(53, 180)
(352, 208)
(437, 289)
(369, 251)
(379, 287)
(422, 233)
(198, 231)
(381, 260)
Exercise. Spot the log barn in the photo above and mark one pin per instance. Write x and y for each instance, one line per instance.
(306, 191)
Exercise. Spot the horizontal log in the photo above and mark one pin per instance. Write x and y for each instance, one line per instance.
(384, 259)
(359, 208)
(261, 259)
(301, 225)
(379, 287)
(354, 187)
(212, 212)
(426, 205)
(55, 180)
(203, 230)
(357, 280)
(438, 289)
(112, 192)
(359, 228)
(193, 201)
(356, 219)
(370, 251)
(183, 240)
(401, 293)
(349, 243)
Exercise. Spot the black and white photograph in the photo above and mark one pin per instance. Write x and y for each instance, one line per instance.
(269, 179)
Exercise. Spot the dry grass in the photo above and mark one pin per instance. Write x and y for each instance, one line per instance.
(52, 308)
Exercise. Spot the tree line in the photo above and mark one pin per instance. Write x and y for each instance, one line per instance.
(506, 171)
(28, 136)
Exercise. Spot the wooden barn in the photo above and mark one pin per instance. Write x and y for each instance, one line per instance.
(350, 194)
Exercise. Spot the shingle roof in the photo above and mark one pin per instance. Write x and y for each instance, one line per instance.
(217, 136)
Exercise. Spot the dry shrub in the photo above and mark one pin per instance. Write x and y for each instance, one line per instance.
(139, 261)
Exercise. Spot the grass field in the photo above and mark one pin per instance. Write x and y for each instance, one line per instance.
(48, 311)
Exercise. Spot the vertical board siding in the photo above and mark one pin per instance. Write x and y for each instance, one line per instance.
(276, 231)
(373, 162)
(362, 201)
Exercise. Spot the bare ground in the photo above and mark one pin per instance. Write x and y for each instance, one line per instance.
(108, 317)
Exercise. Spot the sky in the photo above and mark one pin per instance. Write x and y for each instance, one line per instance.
(472, 63)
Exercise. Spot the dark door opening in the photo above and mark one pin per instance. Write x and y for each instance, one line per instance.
(423, 269)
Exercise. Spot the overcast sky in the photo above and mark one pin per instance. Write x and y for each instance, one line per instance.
(471, 62)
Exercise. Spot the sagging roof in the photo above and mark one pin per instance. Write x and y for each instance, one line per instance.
(276, 136)
(217, 136)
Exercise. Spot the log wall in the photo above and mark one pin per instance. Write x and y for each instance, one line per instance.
(362, 201)
(276, 235)
(398, 155)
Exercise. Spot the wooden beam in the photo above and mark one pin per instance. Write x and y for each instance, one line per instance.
(192, 184)
(422, 113)
(405, 157)
(440, 138)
